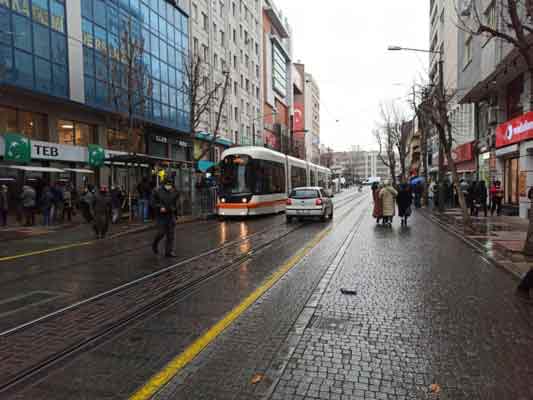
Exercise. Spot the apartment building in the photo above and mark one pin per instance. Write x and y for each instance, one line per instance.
(312, 118)
(276, 79)
(228, 35)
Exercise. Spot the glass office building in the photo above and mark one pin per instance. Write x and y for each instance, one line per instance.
(56, 59)
(162, 29)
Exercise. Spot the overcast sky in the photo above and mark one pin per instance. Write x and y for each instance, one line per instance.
(343, 43)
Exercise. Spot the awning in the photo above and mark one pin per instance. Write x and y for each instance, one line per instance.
(34, 169)
(80, 170)
(207, 137)
(204, 165)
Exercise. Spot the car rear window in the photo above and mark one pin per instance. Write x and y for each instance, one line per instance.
(304, 194)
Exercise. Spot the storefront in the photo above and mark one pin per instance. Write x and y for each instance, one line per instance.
(465, 162)
(39, 162)
(514, 160)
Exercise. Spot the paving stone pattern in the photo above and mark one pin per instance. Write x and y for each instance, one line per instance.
(428, 310)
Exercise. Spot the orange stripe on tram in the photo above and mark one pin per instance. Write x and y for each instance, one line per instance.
(252, 205)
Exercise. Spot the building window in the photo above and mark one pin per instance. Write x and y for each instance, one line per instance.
(75, 133)
(30, 124)
(468, 50)
(117, 140)
(195, 12)
(205, 22)
(279, 71)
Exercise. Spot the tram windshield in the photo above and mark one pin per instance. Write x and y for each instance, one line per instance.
(236, 175)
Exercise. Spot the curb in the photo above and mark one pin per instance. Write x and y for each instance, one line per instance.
(478, 249)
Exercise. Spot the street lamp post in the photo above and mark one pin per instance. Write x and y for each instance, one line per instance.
(274, 113)
(441, 93)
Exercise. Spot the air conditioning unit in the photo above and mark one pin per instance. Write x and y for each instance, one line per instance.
(492, 116)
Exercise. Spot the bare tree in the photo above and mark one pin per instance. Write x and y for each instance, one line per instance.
(130, 91)
(392, 140)
(435, 108)
(206, 98)
(131, 85)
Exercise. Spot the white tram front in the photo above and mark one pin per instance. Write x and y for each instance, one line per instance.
(257, 180)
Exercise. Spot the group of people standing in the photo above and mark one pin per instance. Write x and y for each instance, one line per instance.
(55, 202)
(385, 199)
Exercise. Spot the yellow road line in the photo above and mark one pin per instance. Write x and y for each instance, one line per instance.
(179, 362)
(50, 250)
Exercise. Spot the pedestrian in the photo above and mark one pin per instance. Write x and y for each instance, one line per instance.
(4, 206)
(418, 194)
(388, 195)
(144, 191)
(46, 202)
(101, 212)
(471, 198)
(116, 204)
(165, 202)
(67, 204)
(404, 200)
(86, 203)
(496, 198)
(431, 193)
(482, 196)
(29, 202)
(378, 210)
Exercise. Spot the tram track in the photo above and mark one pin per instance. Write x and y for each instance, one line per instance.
(167, 294)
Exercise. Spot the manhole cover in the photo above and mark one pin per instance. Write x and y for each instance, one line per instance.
(331, 324)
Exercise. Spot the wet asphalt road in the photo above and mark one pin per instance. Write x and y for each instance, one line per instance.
(427, 310)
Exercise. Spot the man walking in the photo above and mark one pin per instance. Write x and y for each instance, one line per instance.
(3, 205)
(165, 204)
(102, 212)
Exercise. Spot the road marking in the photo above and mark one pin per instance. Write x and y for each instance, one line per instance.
(50, 250)
(160, 379)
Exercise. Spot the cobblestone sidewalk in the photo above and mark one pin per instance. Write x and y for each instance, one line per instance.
(499, 239)
(430, 320)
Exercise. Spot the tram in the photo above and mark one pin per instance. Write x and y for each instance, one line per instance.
(257, 180)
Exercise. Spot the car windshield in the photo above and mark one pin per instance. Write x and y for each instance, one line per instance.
(236, 175)
(304, 194)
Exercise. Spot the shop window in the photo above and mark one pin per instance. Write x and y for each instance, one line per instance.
(40, 11)
(32, 125)
(8, 120)
(41, 41)
(116, 140)
(65, 131)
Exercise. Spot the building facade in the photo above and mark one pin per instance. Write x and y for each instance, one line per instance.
(312, 119)
(497, 83)
(228, 36)
(276, 79)
(63, 78)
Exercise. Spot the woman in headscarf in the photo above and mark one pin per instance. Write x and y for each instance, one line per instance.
(404, 200)
(377, 213)
(388, 196)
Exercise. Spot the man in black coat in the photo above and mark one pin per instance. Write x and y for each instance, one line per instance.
(165, 204)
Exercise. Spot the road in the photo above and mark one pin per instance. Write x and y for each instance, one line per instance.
(253, 309)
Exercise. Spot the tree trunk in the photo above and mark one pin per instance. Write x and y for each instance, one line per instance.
(447, 148)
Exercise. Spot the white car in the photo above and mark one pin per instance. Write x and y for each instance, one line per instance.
(305, 202)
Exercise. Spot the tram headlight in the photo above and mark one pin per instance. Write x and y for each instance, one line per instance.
(222, 200)
(245, 200)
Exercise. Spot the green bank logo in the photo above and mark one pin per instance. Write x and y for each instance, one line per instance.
(18, 147)
(96, 155)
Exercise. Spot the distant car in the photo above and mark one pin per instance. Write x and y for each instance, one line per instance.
(308, 202)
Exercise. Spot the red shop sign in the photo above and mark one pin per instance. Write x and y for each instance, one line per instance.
(462, 153)
(515, 130)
